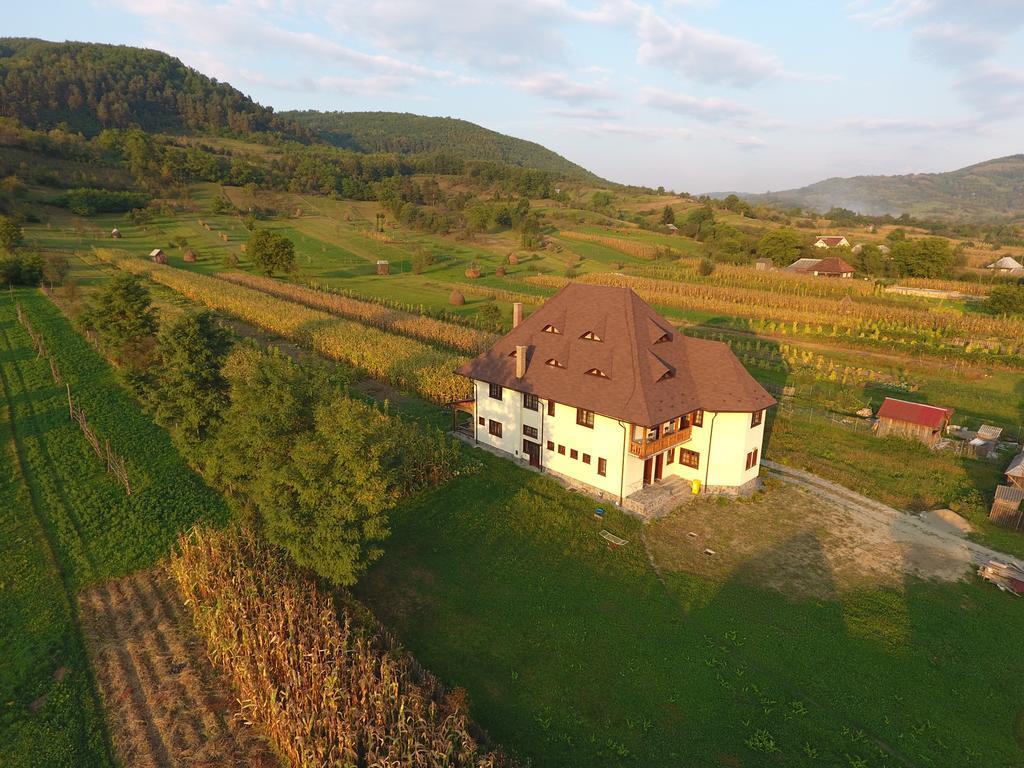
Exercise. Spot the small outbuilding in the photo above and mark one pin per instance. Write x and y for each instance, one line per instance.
(383, 267)
(158, 256)
(764, 265)
(916, 421)
(1015, 472)
(115, 233)
(1006, 507)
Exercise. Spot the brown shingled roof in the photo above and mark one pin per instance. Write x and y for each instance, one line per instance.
(648, 381)
(833, 265)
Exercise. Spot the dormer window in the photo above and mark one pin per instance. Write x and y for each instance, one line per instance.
(597, 372)
(664, 337)
(550, 329)
(553, 363)
(667, 375)
(591, 336)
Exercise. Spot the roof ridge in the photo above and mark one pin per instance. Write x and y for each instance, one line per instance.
(631, 327)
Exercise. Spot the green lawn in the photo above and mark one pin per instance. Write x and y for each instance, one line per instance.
(575, 655)
(65, 524)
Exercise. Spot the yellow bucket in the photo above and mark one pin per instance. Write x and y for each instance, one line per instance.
(695, 487)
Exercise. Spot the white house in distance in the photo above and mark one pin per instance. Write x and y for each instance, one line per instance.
(831, 241)
(598, 388)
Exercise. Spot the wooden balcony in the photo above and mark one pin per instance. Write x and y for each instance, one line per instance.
(648, 448)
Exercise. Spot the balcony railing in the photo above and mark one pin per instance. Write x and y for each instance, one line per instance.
(648, 448)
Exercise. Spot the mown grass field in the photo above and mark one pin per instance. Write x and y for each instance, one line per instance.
(579, 656)
(66, 525)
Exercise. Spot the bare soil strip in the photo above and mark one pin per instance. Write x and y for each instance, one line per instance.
(165, 705)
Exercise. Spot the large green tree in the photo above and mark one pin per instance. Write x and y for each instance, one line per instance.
(271, 252)
(927, 257)
(315, 470)
(190, 390)
(122, 315)
(783, 246)
(1007, 299)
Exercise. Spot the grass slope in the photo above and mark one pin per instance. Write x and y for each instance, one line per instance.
(578, 656)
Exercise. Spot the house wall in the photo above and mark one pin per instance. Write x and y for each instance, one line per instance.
(723, 443)
(724, 440)
(606, 440)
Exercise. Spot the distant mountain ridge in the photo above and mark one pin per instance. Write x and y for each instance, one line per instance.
(993, 189)
(92, 86)
(406, 133)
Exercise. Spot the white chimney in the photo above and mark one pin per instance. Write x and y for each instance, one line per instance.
(517, 313)
(520, 361)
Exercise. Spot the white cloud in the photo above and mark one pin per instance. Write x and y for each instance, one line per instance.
(708, 109)
(583, 113)
(703, 55)
(558, 87)
(996, 93)
(751, 142)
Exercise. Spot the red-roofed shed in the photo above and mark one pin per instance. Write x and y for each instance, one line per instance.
(916, 421)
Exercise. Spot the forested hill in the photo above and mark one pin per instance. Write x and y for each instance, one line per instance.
(406, 133)
(91, 86)
(988, 190)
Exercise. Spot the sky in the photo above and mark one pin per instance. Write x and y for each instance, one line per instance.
(692, 95)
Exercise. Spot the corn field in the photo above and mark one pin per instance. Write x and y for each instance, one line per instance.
(429, 329)
(398, 360)
(327, 691)
(909, 328)
(622, 245)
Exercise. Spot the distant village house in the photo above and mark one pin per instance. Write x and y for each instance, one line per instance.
(158, 256)
(1006, 266)
(833, 266)
(916, 421)
(597, 388)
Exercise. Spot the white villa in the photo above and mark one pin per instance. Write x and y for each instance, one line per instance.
(831, 241)
(599, 389)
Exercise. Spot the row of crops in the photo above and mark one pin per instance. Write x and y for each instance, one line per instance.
(99, 530)
(327, 692)
(428, 329)
(398, 360)
(910, 329)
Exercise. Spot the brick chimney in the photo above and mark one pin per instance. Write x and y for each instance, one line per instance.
(520, 360)
(517, 313)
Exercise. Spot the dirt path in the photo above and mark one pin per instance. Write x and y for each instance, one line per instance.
(928, 542)
(165, 705)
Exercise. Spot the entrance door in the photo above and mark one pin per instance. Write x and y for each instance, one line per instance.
(532, 450)
(648, 471)
(659, 465)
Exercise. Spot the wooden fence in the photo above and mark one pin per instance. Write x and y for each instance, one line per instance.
(115, 464)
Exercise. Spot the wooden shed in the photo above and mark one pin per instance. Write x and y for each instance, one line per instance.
(158, 256)
(1015, 472)
(383, 267)
(1006, 507)
(115, 233)
(916, 421)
